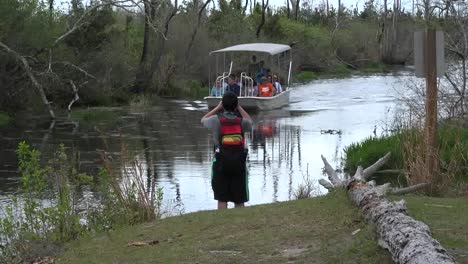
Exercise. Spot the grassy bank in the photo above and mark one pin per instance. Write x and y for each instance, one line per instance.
(4, 119)
(317, 230)
(300, 230)
(340, 71)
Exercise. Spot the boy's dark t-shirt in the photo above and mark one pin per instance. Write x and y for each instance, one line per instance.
(234, 88)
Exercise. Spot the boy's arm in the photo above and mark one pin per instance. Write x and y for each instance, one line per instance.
(212, 112)
(243, 113)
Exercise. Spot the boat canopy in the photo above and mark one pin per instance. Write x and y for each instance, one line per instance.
(270, 48)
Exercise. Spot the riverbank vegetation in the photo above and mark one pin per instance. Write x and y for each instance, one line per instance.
(106, 50)
(407, 163)
(48, 212)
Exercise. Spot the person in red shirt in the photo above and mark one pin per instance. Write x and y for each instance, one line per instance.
(265, 89)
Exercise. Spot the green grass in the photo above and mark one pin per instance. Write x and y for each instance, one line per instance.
(318, 229)
(95, 115)
(340, 70)
(4, 119)
(447, 219)
(373, 68)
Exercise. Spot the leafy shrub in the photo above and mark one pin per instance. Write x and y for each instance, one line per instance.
(4, 119)
(305, 76)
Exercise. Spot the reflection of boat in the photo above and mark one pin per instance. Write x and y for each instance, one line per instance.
(266, 128)
(247, 82)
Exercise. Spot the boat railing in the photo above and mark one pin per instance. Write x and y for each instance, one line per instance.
(221, 79)
(248, 87)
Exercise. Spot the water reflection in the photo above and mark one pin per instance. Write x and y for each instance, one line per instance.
(175, 151)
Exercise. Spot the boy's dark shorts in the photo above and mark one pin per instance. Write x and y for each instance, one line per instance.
(229, 178)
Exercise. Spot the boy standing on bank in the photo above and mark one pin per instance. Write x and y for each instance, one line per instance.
(229, 178)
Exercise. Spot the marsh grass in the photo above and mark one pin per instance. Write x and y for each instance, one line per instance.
(408, 150)
(308, 188)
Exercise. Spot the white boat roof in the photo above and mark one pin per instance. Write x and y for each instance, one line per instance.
(270, 48)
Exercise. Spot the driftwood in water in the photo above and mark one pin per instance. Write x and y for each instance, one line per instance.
(407, 240)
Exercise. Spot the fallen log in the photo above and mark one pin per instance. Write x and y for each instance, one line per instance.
(407, 240)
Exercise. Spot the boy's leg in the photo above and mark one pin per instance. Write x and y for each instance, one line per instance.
(237, 205)
(222, 205)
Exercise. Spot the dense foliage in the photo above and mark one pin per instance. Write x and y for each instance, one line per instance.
(107, 51)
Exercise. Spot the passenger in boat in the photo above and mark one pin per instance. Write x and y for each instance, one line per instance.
(232, 85)
(217, 89)
(229, 172)
(266, 89)
(277, 84)
(261, 72)
(253, 66)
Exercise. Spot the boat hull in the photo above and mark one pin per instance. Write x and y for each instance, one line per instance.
(255, 103)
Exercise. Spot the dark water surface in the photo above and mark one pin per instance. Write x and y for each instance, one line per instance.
(175, 150)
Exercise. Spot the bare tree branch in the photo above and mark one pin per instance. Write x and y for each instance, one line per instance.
(76, 97)
(66, 63)
(27, 69)
(375, 167)
(332, 176)
(409, 189)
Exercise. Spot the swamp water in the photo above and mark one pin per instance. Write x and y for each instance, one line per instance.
(175, 151)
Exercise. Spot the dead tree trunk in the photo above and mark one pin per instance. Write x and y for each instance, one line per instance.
(407, 240)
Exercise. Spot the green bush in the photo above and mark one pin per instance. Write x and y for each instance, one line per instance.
(339, 70)
(373, 67)
(305, 76)
(4, 119)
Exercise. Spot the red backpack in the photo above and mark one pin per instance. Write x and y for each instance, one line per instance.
(231, 136)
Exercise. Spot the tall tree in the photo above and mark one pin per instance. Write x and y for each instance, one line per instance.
(200, 11)
(262, 21)
(154, 38)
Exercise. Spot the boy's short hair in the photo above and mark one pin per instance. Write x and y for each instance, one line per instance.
(229, 101)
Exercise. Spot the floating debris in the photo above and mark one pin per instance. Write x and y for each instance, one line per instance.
(331, 132)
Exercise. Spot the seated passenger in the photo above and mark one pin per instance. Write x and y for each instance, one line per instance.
(217, 89)
(232, 85)
(253, 66)
(277, 84)
(266, 89)
(261, 72)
